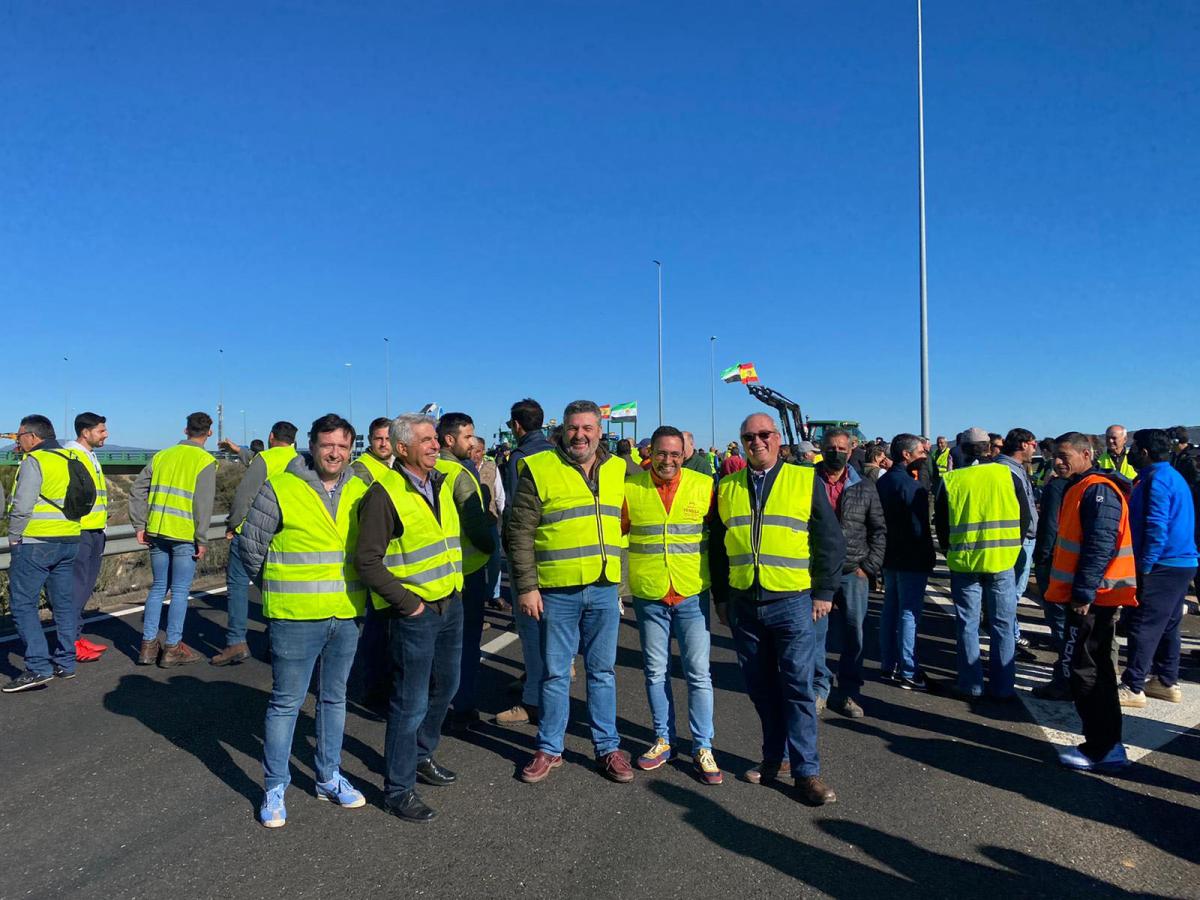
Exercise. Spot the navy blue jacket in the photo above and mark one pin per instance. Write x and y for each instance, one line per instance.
(1163, 519)
(1047, 532)
(906, 510)
(529, 444)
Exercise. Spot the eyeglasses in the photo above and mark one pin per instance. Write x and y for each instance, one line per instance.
(764, 436)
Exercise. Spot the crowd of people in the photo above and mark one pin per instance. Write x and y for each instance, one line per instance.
(392, 558)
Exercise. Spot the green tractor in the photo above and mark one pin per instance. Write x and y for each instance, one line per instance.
(795, 427)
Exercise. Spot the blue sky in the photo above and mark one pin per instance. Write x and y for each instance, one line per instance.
(486, 185)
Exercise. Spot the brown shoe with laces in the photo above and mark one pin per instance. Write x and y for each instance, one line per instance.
(148, 655)
(178, 655)
(615, 767)
(767, 772)
(538, 768)
(814, 792)
(231, 655)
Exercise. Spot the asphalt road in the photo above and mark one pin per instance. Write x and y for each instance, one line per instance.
(140, 782)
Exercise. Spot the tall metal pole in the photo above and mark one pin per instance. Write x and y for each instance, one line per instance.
(387, 378)
(220, 396)
(926, 429)
(350, 392)
(712, 386)
(67, 430)
(660, 361)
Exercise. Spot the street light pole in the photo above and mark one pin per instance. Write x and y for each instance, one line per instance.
(67, 398)
(926, 429)
(387, 378)
(350, 392)
(660, 360)
(712, 387)
(220, 396)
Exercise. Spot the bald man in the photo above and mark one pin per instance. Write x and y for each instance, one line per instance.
(1117, 455)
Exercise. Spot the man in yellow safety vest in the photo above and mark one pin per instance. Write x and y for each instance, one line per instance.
(170, 506)
(298, 543)
(91, 431)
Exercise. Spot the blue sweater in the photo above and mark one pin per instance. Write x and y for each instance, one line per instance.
(1163, 519)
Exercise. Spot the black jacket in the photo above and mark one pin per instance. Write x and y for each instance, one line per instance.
(1047, 533)
(826, 549)
(863, 526)
(905, 502)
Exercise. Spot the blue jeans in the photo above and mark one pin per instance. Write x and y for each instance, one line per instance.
(848, 614)
(171, 562)
(237, 594)
(1021, 573)
(295, 648)
(900, 620)
(571, 617)
(529, 631)
(777, 649)
(48, 564)
(474, 596)
(688, 620)
(426, 655)
(970, 590)
(1154, 626)
(493, 569)
(86, 568)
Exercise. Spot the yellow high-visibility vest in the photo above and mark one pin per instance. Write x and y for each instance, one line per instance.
(579, 538)
(427, 557)
(779, 553)
(47, 519)
(473, 559)
(173, 474)
(309, 570)
(985, 519)
(668, 548)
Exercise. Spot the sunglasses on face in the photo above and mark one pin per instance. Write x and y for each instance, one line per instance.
(764, 436)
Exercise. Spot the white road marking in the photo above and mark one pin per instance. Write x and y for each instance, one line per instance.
(1143, 730)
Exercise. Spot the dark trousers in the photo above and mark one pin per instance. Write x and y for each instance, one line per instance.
(87, 568)
(476, 592)
(776, 648)
(372, 675)
(1090, 640)
(1056, 618)
(426, 654)
(34, 566)
(1154, 626)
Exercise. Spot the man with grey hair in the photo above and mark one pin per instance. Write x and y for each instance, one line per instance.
(564, 542)
(775, 557)
(409, 555)
(697, 462)
(1116, 455)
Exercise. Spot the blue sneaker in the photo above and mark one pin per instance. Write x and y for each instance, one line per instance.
(338, 790)
(272, 813)
(1114, 760)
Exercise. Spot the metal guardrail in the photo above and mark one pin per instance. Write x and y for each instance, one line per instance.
(121, 539)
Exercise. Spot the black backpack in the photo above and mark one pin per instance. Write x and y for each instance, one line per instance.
(81, 489)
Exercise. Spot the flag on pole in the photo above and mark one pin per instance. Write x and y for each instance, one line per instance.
(605, 410)
(748, 373)
(624, 411)
(732, 374)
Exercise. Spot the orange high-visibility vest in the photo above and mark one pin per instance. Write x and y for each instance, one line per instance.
(1118, 587)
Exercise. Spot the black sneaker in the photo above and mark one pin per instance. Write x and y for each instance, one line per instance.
(26, 681)
(916, 683)
(60, 672)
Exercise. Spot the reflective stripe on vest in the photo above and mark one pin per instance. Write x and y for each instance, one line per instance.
(173, 474)
(668, 549)
(426, 558)
(578, 539)
(943, 461)
(276, 459)
(47, 519)
(1118, 585)
(771, 548)
(1106, 461)
(985, 519)
(472, 559)
(309, 570)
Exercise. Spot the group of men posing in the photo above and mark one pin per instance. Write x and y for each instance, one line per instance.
(403, 539)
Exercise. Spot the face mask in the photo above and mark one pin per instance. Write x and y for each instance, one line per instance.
(835, 460)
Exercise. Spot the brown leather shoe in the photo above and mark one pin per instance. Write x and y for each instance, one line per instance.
(539, 767)
(518, 715)
(615, 767)
(178, 655)
(148, 655)
(231, 655)
(814, 792)
(768, 772)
